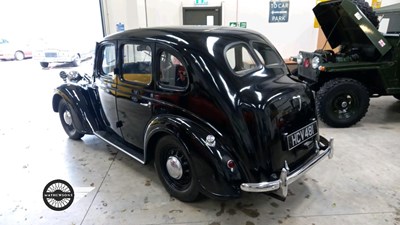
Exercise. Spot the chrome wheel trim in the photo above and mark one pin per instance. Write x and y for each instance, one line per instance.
(174, 167)
(67, 118)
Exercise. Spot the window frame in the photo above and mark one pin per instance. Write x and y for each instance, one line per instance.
(102, 47)
(176, 54)
(121, 44)
(251, 53)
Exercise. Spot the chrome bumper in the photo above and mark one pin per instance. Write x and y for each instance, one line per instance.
(288, 177)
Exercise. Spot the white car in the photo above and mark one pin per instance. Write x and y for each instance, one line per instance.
(12, 50)
(63, 53)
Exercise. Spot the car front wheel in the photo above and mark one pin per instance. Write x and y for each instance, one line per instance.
(65, 111)
(342, 102)
(44, 64)
(175, 170)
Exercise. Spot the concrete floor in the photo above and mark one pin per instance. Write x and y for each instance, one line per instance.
(360, 185)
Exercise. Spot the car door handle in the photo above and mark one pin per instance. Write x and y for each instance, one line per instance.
(148, 104)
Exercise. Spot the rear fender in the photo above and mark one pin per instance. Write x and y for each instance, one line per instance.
(78, 98)
(209, 160)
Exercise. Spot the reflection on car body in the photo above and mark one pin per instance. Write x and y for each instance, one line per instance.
(213, 108)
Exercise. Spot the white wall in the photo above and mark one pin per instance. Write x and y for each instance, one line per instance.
(297, 34)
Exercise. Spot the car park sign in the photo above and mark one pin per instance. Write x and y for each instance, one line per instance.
(278, 11)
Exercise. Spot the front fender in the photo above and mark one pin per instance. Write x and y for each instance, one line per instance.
(210, 160)
(79, 99)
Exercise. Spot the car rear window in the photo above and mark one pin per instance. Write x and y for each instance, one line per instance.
(239, 59)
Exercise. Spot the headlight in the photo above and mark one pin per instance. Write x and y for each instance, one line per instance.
(315, 62)
(299, 58)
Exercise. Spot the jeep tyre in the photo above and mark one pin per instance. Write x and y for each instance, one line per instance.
(342, 102)
(175, 169)
(368, 11)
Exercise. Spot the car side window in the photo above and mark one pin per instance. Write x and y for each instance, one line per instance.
(109, 60)
(136, 66)
(173, 73)
(239, 59)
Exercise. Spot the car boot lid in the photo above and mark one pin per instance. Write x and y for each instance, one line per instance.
(344, 23)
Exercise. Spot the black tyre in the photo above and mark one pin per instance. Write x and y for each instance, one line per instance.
(44, 64)
(77, 60)
(368, 11)
(65, 111)
(19, 56)
(175, 169)
(397, 96)
(342, 102)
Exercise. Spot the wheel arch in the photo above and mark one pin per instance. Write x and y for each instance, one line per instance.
(209, 161)
(371, 79)
(83, 117)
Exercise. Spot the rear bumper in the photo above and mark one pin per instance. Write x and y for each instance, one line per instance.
(287, 177)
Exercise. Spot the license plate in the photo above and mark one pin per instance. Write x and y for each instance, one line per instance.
(301, 135)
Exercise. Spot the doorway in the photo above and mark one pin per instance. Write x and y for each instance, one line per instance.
(202, 16)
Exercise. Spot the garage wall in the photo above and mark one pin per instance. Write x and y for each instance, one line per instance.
(297, 34)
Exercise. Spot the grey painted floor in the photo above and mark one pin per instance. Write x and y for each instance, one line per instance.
(360, 185)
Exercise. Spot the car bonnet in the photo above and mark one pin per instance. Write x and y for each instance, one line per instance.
(343, 23)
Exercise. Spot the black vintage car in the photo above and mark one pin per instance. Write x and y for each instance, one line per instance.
(212, 107)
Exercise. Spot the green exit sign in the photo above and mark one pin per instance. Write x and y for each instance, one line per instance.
(201, 2)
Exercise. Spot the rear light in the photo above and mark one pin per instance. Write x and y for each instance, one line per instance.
(230, 164)
(322, 68)
(306, 62)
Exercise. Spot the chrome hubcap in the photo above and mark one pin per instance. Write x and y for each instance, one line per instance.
(174, 167)
(67, 118)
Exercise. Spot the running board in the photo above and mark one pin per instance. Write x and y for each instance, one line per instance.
(110, 139)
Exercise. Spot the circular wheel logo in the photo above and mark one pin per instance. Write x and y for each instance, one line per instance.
(58, 195)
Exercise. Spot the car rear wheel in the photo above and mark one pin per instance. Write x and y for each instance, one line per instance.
(175, 170)
(342, 102)
(77, 60)
(65, 111)
(19, 55)
(44, 64)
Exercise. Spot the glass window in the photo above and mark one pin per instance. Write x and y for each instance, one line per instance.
(136, 66)
(172, 71)
(239, 59)
(108, 64)
(267, 55)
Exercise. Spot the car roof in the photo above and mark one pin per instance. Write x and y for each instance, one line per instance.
(186, 34)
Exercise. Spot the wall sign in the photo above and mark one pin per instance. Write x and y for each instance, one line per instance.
(120, 27)
(236, 24)
(278, 11)
(201, 2)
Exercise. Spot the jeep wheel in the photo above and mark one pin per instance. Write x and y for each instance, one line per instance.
(342, 102)
(175, 170)
(397, 96)
(368, 11)
(44, 64)
(65, 111)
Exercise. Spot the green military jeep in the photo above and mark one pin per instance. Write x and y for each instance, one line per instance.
(365, 65)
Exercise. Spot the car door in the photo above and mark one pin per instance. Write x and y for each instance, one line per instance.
(135, 90)
(106, 83)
